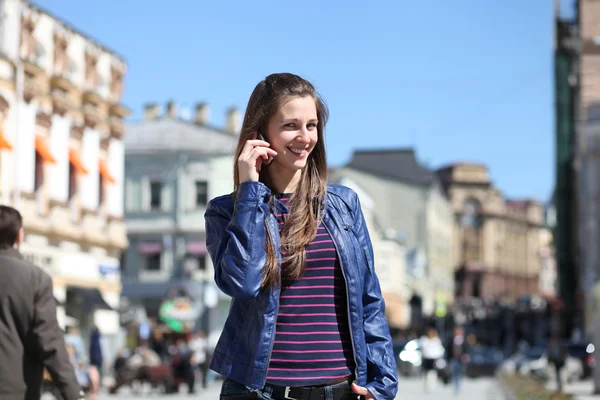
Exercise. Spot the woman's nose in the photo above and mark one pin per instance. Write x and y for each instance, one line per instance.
(304, 136)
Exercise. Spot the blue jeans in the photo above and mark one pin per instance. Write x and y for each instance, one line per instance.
(232, 388)
(458, 370)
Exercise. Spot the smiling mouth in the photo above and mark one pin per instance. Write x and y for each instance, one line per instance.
(298, 152)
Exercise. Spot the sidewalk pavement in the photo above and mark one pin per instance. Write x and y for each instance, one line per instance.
(582, 390)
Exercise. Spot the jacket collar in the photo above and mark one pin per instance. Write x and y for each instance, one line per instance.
(11, 252)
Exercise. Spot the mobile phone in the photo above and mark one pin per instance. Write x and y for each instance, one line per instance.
(269, 161)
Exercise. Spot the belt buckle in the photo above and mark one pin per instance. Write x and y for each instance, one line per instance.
(287, 392)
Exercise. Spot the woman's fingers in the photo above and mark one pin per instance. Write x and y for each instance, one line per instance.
(250, 144)
(253, 155)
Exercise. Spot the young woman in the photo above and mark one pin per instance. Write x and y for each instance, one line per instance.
(307, 318)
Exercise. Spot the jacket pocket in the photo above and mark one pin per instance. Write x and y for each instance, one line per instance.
(231, 390)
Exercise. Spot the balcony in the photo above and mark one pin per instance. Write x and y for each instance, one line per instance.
(64, 94)
(62, 81)
(92, 97)
(117, 233)
(61, 221)
(33, 87)
(117, 127)
(92, 114)
(93, 228)
(148, 222)
(29, 206)
(119, 110)
(31, 65)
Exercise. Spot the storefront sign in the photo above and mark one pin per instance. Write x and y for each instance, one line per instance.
(79, 265)
(57, 261)
(44, 257)
(178, 313)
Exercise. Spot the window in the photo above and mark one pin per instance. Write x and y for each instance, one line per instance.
(153, 262)
(155, 195)
(39, 171)
(201, 262)
(201, 193)
(471, 217)
(193, 263)
(72, 181)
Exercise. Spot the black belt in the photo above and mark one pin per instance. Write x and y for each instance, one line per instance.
(310, 393)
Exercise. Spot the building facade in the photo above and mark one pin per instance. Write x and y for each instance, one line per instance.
(586, 165)
(497, 243)
(61, 159)
(412, 209)
(390, 262)
(173, 168)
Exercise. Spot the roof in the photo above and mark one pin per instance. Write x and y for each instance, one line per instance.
(168, 134)
(462, 164)
(396, 164)
(71, 27)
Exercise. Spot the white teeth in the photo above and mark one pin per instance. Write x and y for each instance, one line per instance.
(297, 151)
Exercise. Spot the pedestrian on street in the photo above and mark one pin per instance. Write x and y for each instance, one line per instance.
(457, 353)
(198, 345)
(73, 337)
(557, 356)
(96, 358)
(432, 350)
(182, 364)
(307, 318)
(30, 337)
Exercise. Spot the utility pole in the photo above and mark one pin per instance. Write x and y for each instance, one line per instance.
(566, 75)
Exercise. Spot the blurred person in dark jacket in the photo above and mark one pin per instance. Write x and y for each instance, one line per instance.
(457, 352)
(159, 345)
(557, 356)
(30, 337)
(96, 358)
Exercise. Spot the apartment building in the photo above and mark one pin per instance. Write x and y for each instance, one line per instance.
(173, 168)
(62, 157)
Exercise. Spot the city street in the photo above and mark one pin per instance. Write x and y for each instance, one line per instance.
(409, 389)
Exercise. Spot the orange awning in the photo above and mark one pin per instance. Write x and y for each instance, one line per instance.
(41, 146)
(4, 143)
(104, 171)
(75, 159)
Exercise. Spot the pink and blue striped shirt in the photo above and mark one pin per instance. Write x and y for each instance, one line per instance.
(312, 337)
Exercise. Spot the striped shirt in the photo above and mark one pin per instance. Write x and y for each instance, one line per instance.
(312, 337)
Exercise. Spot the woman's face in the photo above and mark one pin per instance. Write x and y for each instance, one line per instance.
(292, 132)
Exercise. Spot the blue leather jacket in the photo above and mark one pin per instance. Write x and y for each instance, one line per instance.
(235, 235)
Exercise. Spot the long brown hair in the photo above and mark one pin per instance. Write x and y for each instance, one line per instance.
(307, 202)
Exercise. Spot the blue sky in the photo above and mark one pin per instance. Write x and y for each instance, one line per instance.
(461, 80)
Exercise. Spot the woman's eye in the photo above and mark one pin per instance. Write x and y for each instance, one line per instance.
(290, 125)
(311, 126)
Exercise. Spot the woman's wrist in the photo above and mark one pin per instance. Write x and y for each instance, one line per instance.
(251, 190)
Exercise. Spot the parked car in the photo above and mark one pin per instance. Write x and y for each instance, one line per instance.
(584, 352)
(533, 360)
(510, 364)
(410, 361)
(536, 364)
(484, 361)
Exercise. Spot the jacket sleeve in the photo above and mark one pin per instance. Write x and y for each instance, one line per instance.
(50, 341)
(382, 373)
(236, 241)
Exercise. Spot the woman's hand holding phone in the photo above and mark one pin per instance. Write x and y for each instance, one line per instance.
(254, 154)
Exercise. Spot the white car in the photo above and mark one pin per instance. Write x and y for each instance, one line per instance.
(511, 364)
(536, 363)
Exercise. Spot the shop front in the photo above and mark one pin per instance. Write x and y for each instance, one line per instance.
(86, 287)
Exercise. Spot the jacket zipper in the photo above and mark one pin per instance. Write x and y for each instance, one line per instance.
(346, 227)
(276, 313)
